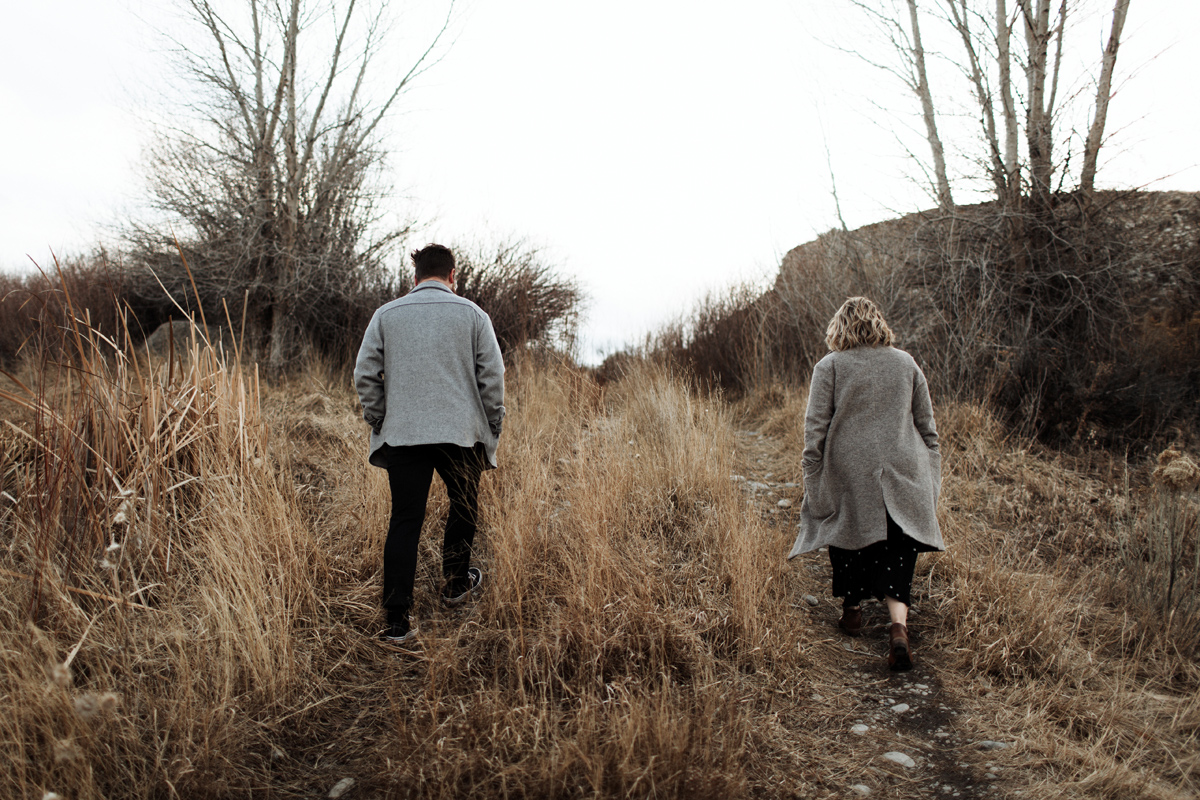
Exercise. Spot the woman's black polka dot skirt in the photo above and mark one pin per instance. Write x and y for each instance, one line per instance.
(882, 569)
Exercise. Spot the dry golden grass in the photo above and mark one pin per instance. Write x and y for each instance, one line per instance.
(640, 634)
(1049, 607)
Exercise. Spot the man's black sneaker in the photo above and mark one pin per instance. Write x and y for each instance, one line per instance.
(398, 633)
(474, 581)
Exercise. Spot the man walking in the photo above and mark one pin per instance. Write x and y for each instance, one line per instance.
(430, 378)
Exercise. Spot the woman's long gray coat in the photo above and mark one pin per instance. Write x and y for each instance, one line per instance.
(870, 449)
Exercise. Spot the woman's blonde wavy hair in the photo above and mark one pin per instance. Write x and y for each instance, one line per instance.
(858, 323)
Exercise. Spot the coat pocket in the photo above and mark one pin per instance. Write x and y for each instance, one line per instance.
(816, 495)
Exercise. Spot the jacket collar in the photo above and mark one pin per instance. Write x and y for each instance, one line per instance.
(420, 287)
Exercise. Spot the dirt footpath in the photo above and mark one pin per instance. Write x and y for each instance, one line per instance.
(905, 734)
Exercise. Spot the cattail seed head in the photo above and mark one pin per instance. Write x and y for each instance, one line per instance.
(1177, 472)
(109, 701)
(87, 706)
(65, 750)
(60, 674)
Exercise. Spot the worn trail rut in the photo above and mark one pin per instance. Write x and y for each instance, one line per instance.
(914, 733)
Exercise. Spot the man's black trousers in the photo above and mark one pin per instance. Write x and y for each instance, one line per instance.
(410, 472)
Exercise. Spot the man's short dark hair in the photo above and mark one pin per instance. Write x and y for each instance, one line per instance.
(433, 261)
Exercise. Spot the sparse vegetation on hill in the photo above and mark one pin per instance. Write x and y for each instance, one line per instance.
(1086, 333)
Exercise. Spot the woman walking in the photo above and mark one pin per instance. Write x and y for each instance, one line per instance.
(872, 471)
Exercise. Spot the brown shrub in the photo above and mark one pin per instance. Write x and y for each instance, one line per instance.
(529, 303)
(36, 309)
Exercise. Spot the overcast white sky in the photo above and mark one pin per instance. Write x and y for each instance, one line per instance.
(655, 149)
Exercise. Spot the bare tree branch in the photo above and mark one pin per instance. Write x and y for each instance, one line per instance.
(1008, 108)
(961, 19)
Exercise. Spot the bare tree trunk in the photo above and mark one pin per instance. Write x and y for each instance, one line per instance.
(1059, 29)
(1012, 145)
(944, 198)
(281, 328)
(1038, 123)
(1091, 150)
(260, 139)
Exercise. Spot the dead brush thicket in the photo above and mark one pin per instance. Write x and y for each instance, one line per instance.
(1053, 604)
(32, 304)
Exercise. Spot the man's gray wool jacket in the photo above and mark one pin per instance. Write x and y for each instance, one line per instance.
(430, 372)
(870, 449)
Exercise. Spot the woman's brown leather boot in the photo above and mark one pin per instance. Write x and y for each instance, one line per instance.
(899, 653)
(851, 621)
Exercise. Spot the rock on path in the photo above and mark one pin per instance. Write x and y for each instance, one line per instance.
(903, 760)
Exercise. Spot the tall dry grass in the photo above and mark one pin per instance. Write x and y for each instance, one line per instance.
(155, 563)
(191, 582)
(619, 580)
(191, 577)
